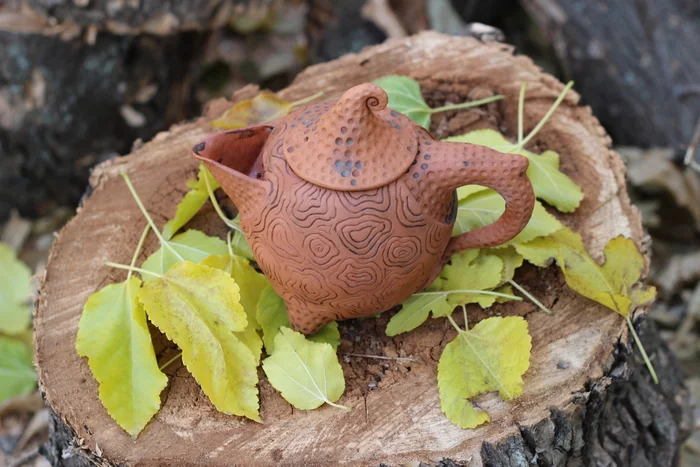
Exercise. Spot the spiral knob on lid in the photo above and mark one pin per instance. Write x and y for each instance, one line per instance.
(355, 143)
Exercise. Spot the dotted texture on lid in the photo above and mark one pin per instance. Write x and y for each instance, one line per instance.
(352, 144)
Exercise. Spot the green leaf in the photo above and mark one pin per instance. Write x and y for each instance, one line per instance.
(15, 291)
(492, 356)
(251, 284)
(405, 97)
(113, 334)
(198, 308)
(16, 370)
(306, 373)
(468, 270)
(191, 203)
(272, 316)
(549, 183)
(239, 245)
(415, 310)
(193, 246)
(486, 206)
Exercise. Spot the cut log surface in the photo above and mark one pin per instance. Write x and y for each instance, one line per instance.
(579, 353)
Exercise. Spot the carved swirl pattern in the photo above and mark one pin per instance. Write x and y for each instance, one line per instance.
(337, 255)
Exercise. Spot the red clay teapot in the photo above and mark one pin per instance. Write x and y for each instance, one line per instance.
(348, 206)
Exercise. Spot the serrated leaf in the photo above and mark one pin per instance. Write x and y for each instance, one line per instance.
(416, 309)
(265, 107)
(613, 285)
(15, 291)
(405, 96)
(306, 373)
(193, 246)
(113, 334)
(198, 308)
(540, 250)
(550, 184)
(492, 356)
(486, 206)
(191, 203)
(468, 270)
(16, 370)
(251, 284)
(272, 316)
(512, 260)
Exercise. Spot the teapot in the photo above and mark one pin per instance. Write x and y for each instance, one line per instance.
(348, 205)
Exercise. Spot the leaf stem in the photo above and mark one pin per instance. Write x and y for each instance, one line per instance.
(135, 195)
(131, 268)
(483, 292)
(229, 239)
(137, 252)
(231, 224)
(530, 297)
(637, 341)
(466, 319)
(521, 105)
(452, 321)
(466, 105)
(380, 357)
(307, 99)
(167, 364)
(521, 144)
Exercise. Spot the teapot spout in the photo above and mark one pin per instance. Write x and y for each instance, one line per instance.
(234, 158)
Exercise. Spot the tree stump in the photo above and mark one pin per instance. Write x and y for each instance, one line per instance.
(631, 63)
(586, 399)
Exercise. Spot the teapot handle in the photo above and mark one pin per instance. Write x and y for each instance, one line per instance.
(504, 173)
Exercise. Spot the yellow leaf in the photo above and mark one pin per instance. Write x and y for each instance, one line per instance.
(114, 336)
(192, 245)
(251, 284)
(512, 260)
(485, 206)
(306, 373)
(15, 292)
(265, 107)
(492, 356)
(549, 183)
(191, 203)
(16, 369)
(614, 284)
(543, 249)
(272, 316)
(198, 308)
(250, 281)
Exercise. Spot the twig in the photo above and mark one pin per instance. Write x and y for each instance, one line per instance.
(380, 357)
(689, 158)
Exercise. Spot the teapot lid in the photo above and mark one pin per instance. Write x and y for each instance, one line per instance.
(352, 144)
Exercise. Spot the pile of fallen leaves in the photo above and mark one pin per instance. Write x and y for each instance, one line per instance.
(204, 294)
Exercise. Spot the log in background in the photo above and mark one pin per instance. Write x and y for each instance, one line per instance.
(587, 398)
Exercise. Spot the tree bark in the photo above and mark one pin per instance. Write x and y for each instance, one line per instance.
(585, 398)
(66, 106)
(635, 63)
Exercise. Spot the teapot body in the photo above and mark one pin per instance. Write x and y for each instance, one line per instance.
(340, 254)
(348, 205)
